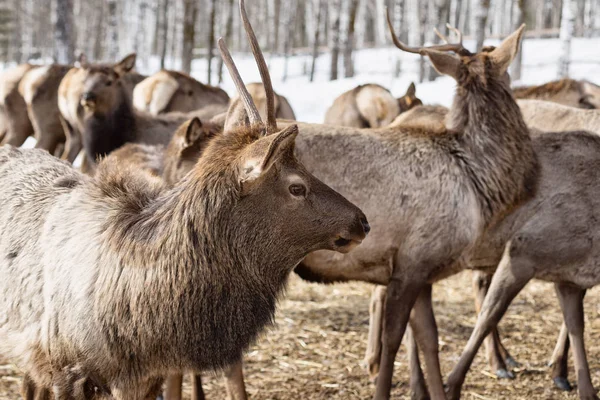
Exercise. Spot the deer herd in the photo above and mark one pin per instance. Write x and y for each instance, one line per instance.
(166, 254)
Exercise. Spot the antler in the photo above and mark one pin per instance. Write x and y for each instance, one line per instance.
(455, 47)
(262, 68)
(459, 46)
(249, 105)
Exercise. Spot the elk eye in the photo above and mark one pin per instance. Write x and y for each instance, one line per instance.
(298, 190)
(108, 83)
(189, 93)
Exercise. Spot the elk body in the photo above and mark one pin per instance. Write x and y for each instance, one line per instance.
(71, 89)
(569, 92)
(428, 195)
(120, 282)
(39, 89)
(15, 126)
(168, 91)
(547, 116)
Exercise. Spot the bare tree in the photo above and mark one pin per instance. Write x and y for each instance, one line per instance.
(112, 40)
(519, 18)
(481, 16)
(315, 49)
(335, 38)
(442, 15)
(567, 26)
(349, 44)
(164, 33)
(290, 21)
(211, 38)
(228, 32)
(64, 32)
(190, 11)
(423, 10)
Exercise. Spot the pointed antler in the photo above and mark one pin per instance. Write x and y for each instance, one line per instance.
(249, 105)
(262, 68)
(455, 47)
(445, 39)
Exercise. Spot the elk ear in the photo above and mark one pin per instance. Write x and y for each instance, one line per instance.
(236, 115)
(444, 63)
(503, 55)
(125, 65)
(193, 132)
(412, 90)
(265, 152)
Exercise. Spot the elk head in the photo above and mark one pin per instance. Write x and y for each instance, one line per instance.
(298, 208)
(103, 87)
(410, 99)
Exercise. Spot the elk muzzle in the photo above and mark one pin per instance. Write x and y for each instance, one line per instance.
(88, 100)
(354, 236)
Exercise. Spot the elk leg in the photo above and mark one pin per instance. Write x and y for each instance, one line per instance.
(376, 309)
(558, 362)
(493, 347)
(173, 387)
(234, 381)
(401, 296)
(418, 389)
(28, 388)
(197, 392)
(571, 303)
(47, 142)
(72, 143)
(512, 275)
(425, 332)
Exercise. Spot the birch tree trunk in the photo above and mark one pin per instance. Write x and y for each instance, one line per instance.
(335, 39)
(481, 15)
(211, 38)
(190, 11)
(164, 33)
(112, 40)
(228, 32)
(423, 9)
(315, 49)
(290, 21)
(400, 30)
(64, 32)
(566, 33)
(519, 18)
(349, 44)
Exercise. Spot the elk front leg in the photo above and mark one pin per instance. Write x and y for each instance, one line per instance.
(173, 387)
(31, 391)
(571, 303)
(234, 381)
(401, 296)
(425, 332)
(559, 361)
(197, 392)
(72, 143)
(497, 355)
(376, 309)
(512, 275)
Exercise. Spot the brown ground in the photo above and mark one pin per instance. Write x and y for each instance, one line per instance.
(316, 349)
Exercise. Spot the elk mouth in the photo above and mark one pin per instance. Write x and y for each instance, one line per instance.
(344, 245)
(88, 104)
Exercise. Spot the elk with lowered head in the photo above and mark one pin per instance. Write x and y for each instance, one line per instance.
(430, 196)
(569, 92)
(168, 91)
(132, 282)
(15, 126)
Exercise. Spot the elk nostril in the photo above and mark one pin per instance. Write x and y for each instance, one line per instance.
(341, 242)
(365, 225)
(88, 96)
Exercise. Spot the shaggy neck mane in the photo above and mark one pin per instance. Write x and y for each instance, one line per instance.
(493, 143)
(105, 133)
(205, 277)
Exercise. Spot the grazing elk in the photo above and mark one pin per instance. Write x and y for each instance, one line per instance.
(570, 92)
(283, 110)
(120, 282)
(168, 91)
(71, 89)
(15, 126)
(39, 89)
(430, 196)
(369, 106)
(547, 116)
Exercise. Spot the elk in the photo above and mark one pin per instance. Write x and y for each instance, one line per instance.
(108, 119)
(15, 126)
(71, 89)
(39, 89)
(283, 110)
(168, 91)
(547, 116)
(132, 282)
(369, 106)
(416, 184)
(569, 92)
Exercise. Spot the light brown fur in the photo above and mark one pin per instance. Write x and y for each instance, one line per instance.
(15, 126)
(569, 92)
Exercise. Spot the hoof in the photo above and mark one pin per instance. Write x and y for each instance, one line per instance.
(562, 383)
(511, 362)
(419, 396)
(504, 374)
(452, 392)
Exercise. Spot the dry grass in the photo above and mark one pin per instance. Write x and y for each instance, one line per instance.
(316, 349)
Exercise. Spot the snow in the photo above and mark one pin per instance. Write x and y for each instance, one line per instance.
(310, 100)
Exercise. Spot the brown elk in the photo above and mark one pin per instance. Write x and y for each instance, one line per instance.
(570, 92)
(369, 106)
(39, 89)
(547, 116)
(416, 184)
(15, 126)
(71, 89)
(155, 281)
(168, 91)
(283, 110)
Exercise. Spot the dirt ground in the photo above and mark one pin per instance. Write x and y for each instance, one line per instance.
(315, 351)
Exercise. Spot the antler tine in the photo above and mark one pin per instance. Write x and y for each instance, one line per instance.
(455, 47)
(397, 42)
(442, 37)
(249, 105)
(262, 68)
(456, 31)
